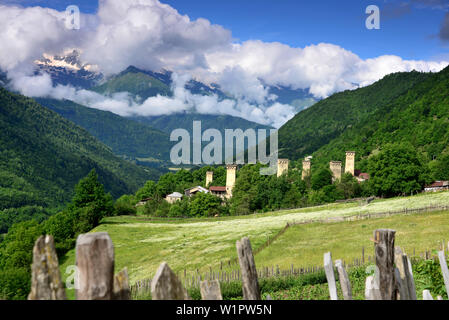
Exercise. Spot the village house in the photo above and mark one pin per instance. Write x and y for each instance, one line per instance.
(361, 176)
(174, 197)
(143, 202)
(192, 191)
(218, 191)
(437, 186)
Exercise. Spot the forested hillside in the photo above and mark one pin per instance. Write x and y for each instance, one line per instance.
(419, 117)
(139, 83)
(168, 123)
(43, 156)
(317, 126)
(124, 136)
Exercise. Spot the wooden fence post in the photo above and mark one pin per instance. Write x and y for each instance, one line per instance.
(121, 286)
(444, 270)
(411, 282)
(250, 284)
(384, 249)
(344, 280)
(46, 283)
(372, 288)
(330, 276)
(426, 295)
(166, 285)
(403, 278)
(210, 290)
(95, 266)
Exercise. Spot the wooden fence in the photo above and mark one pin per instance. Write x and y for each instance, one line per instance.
(361, 216)
(223, 275)
(95, 278)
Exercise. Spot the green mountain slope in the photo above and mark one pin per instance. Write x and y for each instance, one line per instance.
(419, 116)
(317, 126)
(140, 84)
(43, 156)
(168, 123)
(125, 137)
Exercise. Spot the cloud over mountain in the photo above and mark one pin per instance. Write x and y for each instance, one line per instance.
(151, 35)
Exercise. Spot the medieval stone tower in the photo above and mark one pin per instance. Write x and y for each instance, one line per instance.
(231, 171)
(306, 167)
(336, 167)
(350, 162)
(283, 166)
(209, 178)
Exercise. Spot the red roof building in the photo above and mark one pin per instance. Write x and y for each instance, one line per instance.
(437, 186)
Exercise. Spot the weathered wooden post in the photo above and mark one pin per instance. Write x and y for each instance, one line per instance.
(344, 280)
(411, 284)
(444, 270)
(404, 280)
(426, 295)
(330, 276)
(121, 286)
(401, 286)
(411, 279)
(372, 291)
(166, 286)
(210, 290)
(46, 283)
(250, 283)
(384, 249)
(95, 266)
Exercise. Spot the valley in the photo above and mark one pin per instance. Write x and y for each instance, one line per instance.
(142, 244)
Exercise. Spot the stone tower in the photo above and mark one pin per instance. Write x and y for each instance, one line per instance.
(350, 162)
(282, 166)
(209, 178)
(231, 171)
(306, 167)
(335, 167)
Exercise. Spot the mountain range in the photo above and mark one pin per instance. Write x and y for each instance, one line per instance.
(47, 145)
(43, 156)
(142, 84)
(406, 107)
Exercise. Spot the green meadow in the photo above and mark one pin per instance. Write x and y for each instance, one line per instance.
(142, 244)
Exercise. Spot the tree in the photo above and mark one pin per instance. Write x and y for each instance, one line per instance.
(125, 206)
(91, 203)
(321, 178)
(205, 204)
(348, 186)
(440, 168)
(396, 170)
(62, 227)
(17, 247)
(147, 191)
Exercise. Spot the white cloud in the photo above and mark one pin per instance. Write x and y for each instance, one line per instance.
(324, 68)
(152, 35)
(122, 103)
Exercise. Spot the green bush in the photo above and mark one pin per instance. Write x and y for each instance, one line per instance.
(15, 283)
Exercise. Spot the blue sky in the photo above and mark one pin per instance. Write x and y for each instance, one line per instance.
(300, 23)
(322, 46)
(408, 28)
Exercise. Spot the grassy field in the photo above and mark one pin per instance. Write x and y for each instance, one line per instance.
(304, 245)
(200, 243)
